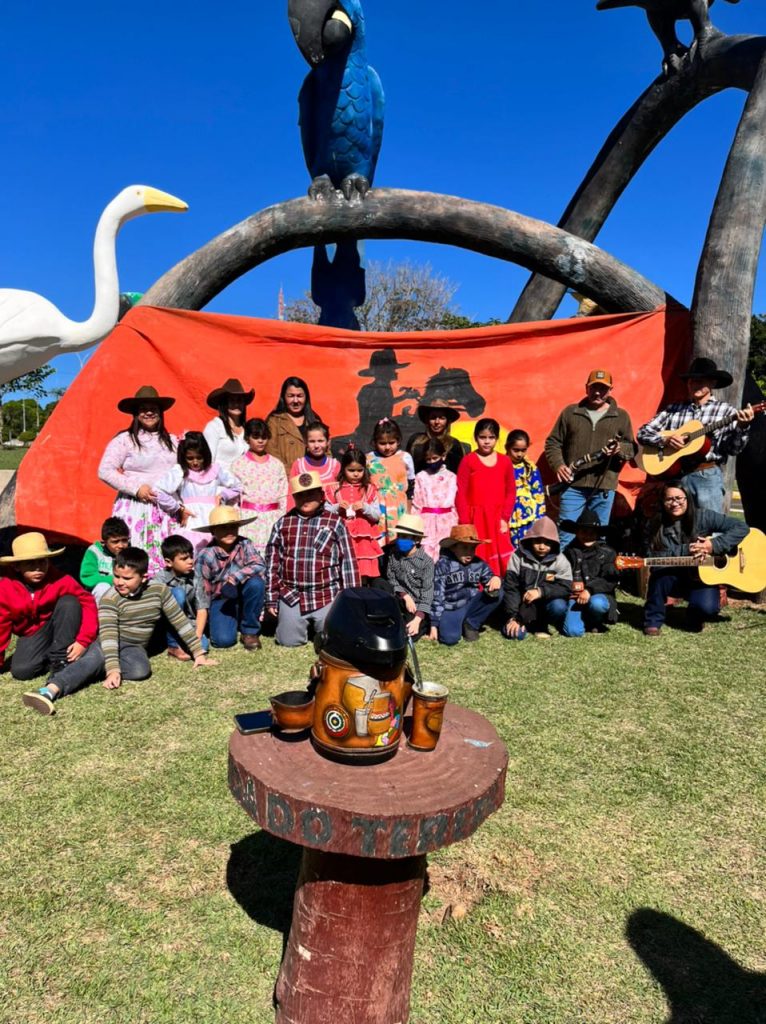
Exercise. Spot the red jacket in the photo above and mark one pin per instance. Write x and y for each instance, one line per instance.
(23, 612)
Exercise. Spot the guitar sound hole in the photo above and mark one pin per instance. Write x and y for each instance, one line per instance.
(719, 561)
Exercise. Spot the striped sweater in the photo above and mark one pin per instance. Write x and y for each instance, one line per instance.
(130, 621)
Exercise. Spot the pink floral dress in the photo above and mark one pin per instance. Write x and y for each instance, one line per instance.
(264, 494)
(125, 466)
(434, 501)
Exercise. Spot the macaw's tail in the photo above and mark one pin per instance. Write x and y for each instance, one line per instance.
(338, 284)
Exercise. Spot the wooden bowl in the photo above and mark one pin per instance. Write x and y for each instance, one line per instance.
(293, 710)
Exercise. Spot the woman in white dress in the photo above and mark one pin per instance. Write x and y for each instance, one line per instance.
(226, 433)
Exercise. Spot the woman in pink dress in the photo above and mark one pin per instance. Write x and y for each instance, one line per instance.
(486, 495)
(264, 484)
(357, 502)
(434, 497)
(133, 462)
(317, 460)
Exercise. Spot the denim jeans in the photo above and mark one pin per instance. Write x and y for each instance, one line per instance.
(474, 614)
(590, 616)
(238, 607)
(706, 486)
(537, 616)
(134, 666)
(704, 601)
(172, 638)
(574, 501)
(47, 648)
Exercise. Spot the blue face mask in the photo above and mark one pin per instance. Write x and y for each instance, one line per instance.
(404, 545)
(434, 467)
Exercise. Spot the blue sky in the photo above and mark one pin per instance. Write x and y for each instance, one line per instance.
(502, 102)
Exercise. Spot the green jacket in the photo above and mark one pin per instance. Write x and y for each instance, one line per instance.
(573, 435)
(97, 566)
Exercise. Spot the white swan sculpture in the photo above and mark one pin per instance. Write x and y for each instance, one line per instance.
(33, 331)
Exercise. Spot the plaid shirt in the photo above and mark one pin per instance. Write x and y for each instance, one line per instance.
(309, 560)
(727, 441)
(216, 566)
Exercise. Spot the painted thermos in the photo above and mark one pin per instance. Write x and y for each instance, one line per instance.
(361, 684)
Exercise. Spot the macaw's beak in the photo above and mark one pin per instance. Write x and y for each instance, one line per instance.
(319, 27)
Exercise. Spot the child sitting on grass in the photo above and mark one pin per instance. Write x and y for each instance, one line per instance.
(410, 571)
(310, 560)
(127, 616)
(538, 583)
(187, 588)
(54, 619)
(98, 560)
(594, 577)
(466, 591)
(232, 572)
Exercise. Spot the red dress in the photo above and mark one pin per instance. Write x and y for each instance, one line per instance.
(363, 526)
(486, 496)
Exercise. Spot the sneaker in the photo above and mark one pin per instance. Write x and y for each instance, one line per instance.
(39, 702)
(470, 635)
(178, 654)
(251, 643)
(651, 630)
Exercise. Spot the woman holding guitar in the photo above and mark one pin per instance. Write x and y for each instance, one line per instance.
(682, 529)
(724, 428)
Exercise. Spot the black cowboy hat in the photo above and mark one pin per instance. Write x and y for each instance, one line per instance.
(232, 387)
(706, 368)
(382, 359)
(145, 395)
(586, 518)
(438, 405)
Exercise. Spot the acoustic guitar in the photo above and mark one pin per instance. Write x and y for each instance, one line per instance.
(745, 569)
(657, 459)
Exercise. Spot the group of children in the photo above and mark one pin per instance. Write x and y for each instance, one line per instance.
(253, 540)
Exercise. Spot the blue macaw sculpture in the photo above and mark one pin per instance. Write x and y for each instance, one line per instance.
(341, 119)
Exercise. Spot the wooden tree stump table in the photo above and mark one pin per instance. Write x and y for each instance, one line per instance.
(365, 832)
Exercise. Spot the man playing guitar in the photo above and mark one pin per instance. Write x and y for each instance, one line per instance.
(701, 474)
(596, 421)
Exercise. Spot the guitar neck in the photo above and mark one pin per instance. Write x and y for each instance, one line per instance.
(670, 561)
(711, 427)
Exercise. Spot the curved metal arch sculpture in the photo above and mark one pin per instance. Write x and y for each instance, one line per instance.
(723, 294)
(403, 214)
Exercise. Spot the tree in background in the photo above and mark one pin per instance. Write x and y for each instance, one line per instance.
(400, 297)
(756, 364)
(33, 382)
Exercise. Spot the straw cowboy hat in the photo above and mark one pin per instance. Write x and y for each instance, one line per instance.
(224, 515)
(305, 482)
(412, 525)
(382, 359)
(706, 368)
(463, 533)
(145, 394)
(233, 386)
(29, 547)
(438, 404)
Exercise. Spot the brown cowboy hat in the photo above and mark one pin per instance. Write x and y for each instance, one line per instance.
(706, 368)
(382, 359)
(438, 404)
(463, 533)
(233, 386)
(30, 547)
(146, 393)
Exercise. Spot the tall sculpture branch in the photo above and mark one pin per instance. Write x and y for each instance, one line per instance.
(420, 216)
(730, 62)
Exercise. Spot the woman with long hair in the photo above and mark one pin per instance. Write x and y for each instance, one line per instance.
(288, 419)
(681, 528)
(225, 434)
(133, 462)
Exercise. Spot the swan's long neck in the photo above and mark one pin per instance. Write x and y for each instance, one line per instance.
(107, 287)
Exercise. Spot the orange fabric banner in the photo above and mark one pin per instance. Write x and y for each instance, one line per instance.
(521, 374)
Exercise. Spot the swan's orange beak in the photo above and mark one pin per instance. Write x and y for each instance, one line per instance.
(156, 201)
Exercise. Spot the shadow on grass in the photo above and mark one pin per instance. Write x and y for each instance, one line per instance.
(702, 983)
(261, 876)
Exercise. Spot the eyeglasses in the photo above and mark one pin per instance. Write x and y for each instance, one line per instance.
(674, 501)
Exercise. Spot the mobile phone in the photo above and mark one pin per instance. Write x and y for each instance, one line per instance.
(254, 721)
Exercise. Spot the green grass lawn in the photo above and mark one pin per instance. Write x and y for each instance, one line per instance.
(10, 458)
(136, 890)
